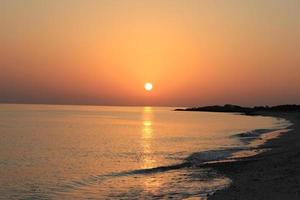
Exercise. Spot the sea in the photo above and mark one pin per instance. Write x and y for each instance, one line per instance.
(105, 152)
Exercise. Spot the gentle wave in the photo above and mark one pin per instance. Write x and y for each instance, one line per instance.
(196, 159)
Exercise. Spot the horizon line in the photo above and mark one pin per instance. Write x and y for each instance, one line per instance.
(110, 105)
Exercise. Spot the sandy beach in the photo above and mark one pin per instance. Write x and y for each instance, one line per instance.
(274, 174)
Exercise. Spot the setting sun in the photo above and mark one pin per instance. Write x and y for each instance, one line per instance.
(148, 86)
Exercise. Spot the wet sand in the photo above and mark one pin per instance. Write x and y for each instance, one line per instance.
(274, 174)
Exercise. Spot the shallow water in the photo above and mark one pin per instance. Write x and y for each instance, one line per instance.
(94, 152)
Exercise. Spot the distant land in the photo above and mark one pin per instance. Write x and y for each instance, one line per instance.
(245, 110)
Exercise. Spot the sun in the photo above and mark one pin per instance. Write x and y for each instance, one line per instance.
(148, 86)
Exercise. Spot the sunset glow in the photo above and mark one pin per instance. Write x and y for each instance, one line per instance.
(135, 99)
(100, 52)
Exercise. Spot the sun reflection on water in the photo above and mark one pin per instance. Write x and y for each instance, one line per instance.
(147, 129)
(151, 183)
(146, 140)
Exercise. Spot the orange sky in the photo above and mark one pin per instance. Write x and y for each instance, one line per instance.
(194, 52)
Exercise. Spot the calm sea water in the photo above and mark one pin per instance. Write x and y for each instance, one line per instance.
(94, 152)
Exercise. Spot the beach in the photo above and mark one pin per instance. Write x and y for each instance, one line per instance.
(274, 174)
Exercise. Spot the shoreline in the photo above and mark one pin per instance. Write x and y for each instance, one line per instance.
(272, 174)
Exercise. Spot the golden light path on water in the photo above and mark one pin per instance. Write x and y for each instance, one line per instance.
(148, 160)
(147, 131)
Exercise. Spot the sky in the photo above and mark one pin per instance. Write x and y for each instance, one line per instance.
(194, 52)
